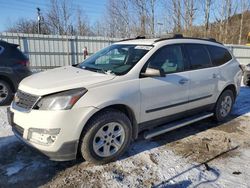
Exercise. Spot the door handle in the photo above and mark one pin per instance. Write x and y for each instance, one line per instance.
(183, 81)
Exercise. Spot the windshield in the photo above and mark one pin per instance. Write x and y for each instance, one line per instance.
(115, 59)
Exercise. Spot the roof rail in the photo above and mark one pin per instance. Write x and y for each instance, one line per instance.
(180, 36)
(205, 39)
(173, 36)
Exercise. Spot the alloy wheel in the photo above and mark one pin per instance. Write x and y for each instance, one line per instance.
(109, 139)
(226, 105)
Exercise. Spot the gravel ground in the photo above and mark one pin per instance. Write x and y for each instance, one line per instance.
(204, 154)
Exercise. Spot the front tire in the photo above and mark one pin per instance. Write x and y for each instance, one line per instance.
(224, 106)
(6, 93)
(106, 137)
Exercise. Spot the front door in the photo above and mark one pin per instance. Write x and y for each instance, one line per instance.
(165, 96)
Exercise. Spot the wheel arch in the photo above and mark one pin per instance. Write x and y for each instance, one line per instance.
(124, 109)
(217, 114)
(231, 87)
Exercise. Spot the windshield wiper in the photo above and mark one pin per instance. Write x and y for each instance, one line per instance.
(92, 69)
(98, 70)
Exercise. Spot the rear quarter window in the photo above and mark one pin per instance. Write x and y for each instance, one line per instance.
(219, 56)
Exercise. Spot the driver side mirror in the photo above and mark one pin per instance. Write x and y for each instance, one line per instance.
(151, 72)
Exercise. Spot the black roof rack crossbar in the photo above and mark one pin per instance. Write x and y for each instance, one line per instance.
(211, 39)
(175, 36)
(138, 37)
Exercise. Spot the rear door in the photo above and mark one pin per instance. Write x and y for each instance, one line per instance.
(204, 76)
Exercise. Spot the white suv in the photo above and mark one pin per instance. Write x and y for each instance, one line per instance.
(97, 107)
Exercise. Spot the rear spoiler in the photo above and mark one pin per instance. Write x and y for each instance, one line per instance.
(14, 45)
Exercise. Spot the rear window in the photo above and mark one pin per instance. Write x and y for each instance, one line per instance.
(219, 55)
(14, 53)
(198, 55)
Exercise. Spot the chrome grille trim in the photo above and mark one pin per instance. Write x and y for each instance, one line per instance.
(24, 101)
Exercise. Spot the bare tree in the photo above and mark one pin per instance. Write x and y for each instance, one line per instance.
(189, 15)
(228, 6)
(152, 16)
(23, 26)
(99, 29)
(222, 13)
(129, 18)
(207, 16)
(177, 15)
(118, 18)
(82, 27)
(141, 8)
(27, 26)
(59, 16)
(244, 7)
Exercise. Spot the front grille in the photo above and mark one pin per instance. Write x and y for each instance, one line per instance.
(25, 100)
(17, 129)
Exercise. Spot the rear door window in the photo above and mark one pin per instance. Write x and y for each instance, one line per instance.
(219, 55)
(198, 56)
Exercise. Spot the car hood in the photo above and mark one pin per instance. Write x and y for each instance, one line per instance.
(61, 79)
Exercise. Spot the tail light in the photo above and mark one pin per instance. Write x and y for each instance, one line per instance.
(25, 63)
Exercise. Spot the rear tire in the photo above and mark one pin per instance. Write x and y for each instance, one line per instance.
(6, 93)
(224, 105)
(106, 137)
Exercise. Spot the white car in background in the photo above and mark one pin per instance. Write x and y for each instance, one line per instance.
(98, 107)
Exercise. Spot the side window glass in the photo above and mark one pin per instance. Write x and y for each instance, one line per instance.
(169, 59)
(219, 55)
(1, 49)
(198, 56)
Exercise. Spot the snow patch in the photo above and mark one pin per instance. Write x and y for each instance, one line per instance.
(242, 104)
(6, 134)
